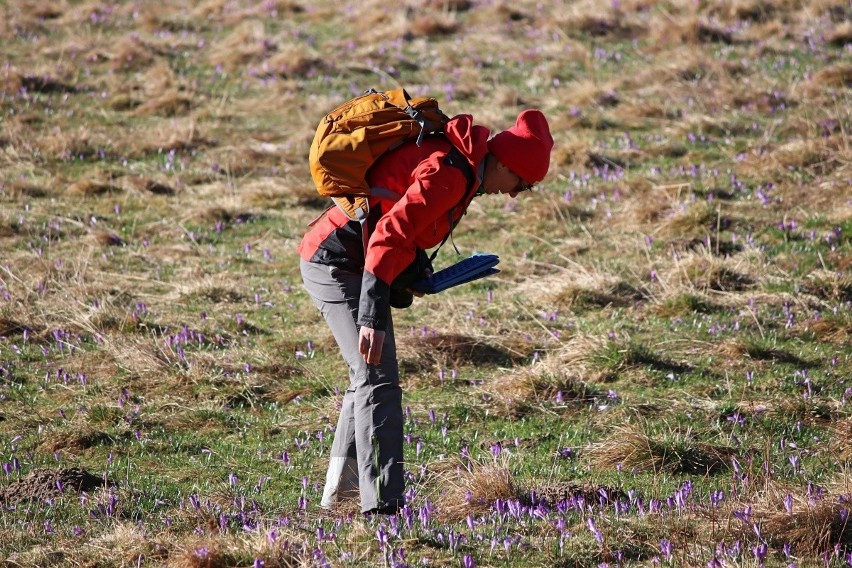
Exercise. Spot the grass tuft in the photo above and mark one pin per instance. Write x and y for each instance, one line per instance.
(92, 187)
(471, 488)
(811, 525)
(522, 392)
(454, 350)
(676, 452)
(286, 549)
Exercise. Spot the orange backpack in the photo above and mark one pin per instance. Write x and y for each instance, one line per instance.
(354, 135)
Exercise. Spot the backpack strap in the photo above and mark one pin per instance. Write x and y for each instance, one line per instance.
(456, 159)
(384, 193)
(453, 158)
(425, 124)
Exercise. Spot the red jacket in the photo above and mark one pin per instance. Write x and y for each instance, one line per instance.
(434, 196)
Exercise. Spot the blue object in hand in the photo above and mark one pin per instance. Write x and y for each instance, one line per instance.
(474, 267)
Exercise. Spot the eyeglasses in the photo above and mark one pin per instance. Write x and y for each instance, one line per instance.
(523, 185)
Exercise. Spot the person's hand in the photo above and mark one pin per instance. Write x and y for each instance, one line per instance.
(426, 274)
(370, 343)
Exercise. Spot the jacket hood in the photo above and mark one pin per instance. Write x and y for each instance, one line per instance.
(470, 139)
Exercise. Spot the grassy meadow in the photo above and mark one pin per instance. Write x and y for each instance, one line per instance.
(661, 374)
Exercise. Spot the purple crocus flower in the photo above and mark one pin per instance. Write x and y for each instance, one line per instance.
(597, 534)
(666, 549)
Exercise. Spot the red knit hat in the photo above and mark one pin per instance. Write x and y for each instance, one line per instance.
(525, 147)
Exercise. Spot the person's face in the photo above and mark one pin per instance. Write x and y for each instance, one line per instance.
(500, 179)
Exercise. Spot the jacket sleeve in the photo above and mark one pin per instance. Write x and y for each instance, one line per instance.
(436, 189)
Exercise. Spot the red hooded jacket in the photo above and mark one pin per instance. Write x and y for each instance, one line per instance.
(434, 196)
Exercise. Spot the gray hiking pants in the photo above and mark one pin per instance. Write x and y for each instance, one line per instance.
(366, 456)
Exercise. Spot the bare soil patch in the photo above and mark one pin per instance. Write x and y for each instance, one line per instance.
(49, 483)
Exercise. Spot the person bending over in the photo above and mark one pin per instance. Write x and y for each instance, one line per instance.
(349, 276)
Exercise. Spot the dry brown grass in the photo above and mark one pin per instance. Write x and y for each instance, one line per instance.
(813, 526)
(689, 31)
(159, 92)
(158, 79)
(434, 352)
(685, 220)
(831, 329)
(141, 356)
(64, 145)
(91, 187)
(631, 448)
(23, 190)
(677, 68)
(75, 442)
(9, 327)
(30, 15)
(286, 549)
(571, 152)
(840, 35)
(816, 529)
(130, 54)
(247, 43)
(182, 135)
(736, 350)
(246, 161)
(574, 354)
(839, 75)
(42, 9)
(829, 285)
(702, 271)
(218, 213)
(232, 385)
(145, 185)
(472, 488)
(817, 155)
(292, 60)
(752, 10)
(666, 211)
(589, 92)
(827, 82)
(432, 25)
(215, 289)
(615, 294)
(123, 545)
(572, 286)
(554, 492)
(209, 9)
(170, 103)
(231, 14)
(828, 196)
(11, 80)
(520, 392)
